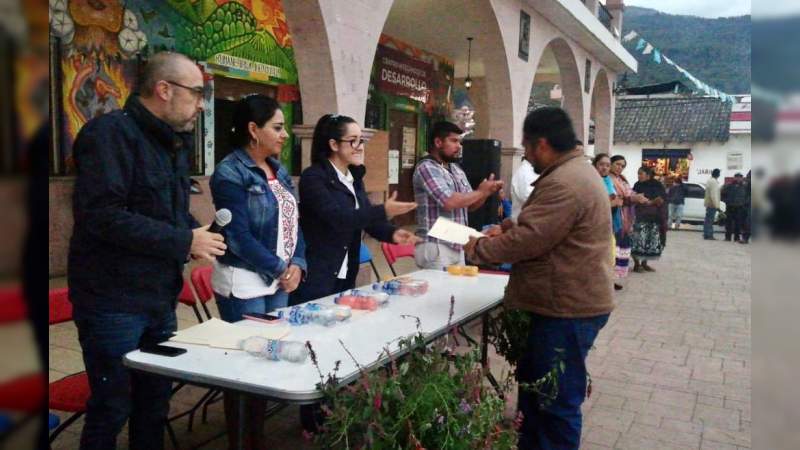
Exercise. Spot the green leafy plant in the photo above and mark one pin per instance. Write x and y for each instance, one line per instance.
(431, 398)
(508, 332)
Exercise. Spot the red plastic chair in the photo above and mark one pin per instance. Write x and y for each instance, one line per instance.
(188, 298)
(12, 305)
(70, 393)
(393, 252)
(201, 281)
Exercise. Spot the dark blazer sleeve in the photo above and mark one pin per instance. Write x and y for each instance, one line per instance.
(316, 196)
(382, 230)
(105, 169)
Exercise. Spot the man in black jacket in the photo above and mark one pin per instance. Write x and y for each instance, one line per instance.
(735, 197)
(133, 234)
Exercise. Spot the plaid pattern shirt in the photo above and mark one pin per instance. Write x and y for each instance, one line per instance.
(434, 183)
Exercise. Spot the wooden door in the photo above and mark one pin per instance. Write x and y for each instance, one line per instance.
(403, 137)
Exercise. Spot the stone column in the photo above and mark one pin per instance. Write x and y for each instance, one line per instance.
(616, 8)
(510, 159)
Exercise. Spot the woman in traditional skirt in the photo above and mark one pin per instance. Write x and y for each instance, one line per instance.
(629, 201)
(650, 228)
(602, 163)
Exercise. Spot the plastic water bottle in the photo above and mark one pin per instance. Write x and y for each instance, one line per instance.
(357, 302)
(275, 350)
(402, 286)
(310, 313)
(382, 298)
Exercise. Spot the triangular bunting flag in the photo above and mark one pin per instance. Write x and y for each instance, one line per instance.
(640, 45)
(630, 36)
(647, 49)
(657, 56)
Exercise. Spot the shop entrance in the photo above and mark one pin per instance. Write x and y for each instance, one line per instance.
(668, 163)
(227, 91)
(403, 137)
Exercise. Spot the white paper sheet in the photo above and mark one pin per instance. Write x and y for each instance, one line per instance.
(447, 230)
(220, 334)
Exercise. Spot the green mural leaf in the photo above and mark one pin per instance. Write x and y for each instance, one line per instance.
(229, 26)
(186, 9)
(264, 48)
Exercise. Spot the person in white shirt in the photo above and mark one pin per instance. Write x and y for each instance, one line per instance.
(521, 187)
(712, 204)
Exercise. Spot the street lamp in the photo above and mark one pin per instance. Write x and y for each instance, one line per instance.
(468, 80)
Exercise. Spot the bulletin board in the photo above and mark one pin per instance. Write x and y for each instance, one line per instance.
(376, 160)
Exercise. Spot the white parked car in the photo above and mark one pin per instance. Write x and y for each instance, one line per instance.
(694, 211)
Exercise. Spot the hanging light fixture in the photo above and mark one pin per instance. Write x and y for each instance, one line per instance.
(468, 80)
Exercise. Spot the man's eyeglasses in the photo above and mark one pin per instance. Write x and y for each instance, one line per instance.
(355, 143)
(198, 91)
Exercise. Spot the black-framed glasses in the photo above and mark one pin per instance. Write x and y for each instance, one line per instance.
(355, 143)
(198, 91)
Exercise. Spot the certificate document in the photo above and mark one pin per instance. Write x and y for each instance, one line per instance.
(447, 230)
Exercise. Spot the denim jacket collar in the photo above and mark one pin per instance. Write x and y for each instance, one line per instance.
(244, 157)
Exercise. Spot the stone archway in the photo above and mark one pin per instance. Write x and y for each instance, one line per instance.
(601, 112)
(571, 85)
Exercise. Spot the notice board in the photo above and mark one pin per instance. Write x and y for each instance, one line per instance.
(376, 160)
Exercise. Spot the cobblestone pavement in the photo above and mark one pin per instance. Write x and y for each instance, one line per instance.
(671, 369)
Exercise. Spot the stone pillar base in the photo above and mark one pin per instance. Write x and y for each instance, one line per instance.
(510, 160)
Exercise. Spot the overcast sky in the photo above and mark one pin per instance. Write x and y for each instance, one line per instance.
(703, 8)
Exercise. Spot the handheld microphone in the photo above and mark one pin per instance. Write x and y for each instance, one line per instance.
(221, 218)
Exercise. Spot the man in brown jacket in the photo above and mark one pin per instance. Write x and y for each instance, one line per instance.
(561, 251)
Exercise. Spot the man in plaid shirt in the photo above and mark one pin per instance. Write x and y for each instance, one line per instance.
(441, 189)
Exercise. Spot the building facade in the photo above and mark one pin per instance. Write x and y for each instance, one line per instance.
(683, 136)
(393, 65)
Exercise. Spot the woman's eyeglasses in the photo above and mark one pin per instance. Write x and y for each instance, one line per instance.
(354, 143)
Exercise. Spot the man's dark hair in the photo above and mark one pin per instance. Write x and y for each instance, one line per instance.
(647, 171)
(738, 175)
(715, 173)
(442, 129)
(553, 124)
(616, 158)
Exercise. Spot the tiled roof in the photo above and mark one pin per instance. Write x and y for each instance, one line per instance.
(678, 119)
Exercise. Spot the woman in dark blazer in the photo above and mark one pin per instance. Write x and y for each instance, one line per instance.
(334, 209)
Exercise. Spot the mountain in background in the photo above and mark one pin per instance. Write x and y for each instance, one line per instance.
(716, 51)
(777, 61)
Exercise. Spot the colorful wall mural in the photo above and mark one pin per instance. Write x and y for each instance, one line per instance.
(102, 43)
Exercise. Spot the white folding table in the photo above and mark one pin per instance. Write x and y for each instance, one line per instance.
(365, 335)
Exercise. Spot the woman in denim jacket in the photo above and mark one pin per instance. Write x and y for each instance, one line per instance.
(266, 250)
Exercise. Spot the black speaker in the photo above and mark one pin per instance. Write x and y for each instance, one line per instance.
(479, 159)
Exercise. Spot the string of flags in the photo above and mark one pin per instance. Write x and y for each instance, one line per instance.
(647, 48)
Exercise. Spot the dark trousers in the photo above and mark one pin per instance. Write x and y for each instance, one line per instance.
(734, 222)
(557, 424)
(119, 394)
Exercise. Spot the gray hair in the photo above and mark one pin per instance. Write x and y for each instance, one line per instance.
(161, 66)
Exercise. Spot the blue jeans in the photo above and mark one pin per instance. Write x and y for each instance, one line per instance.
(231, 309)
(675, 214)
(708, 223)
(117, 392)
(556, 425)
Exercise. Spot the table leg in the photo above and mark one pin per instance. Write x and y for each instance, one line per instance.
(485, 355)
(241, 399)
